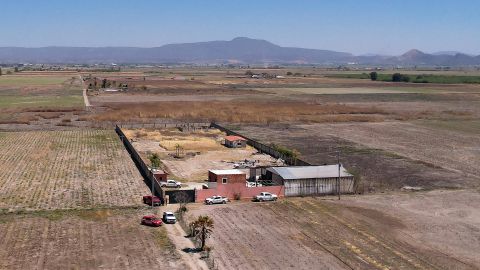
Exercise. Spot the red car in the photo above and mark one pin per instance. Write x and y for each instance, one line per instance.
(151, 220)
(148, 200)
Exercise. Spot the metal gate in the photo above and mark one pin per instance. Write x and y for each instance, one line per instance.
(172, 195)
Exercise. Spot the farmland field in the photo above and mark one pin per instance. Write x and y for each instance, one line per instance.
(66, 169)
(83, 239)
(391, 136)
(369, 232)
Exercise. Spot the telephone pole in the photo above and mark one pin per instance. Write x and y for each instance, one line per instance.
(338, 179)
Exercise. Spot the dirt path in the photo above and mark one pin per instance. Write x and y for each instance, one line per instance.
(85, 97)
(177, 237)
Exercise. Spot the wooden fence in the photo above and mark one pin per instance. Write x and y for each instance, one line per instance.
(142, 167)
(264, 148)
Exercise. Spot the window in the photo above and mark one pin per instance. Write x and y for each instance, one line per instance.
(224, 180)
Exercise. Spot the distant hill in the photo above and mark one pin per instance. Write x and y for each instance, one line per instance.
(239, 50)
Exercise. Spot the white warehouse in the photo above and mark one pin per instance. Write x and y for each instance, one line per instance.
(312, 180)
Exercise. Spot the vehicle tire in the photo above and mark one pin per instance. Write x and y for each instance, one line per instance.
(163, 185)
(274, 199)
(224, 202)
(210, 203)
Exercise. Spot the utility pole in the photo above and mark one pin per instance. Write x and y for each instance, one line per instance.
(338, 179)
(153, 187)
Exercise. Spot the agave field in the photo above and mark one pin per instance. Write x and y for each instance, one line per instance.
(66, 169)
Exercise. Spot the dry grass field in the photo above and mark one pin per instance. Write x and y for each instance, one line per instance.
(66, 169)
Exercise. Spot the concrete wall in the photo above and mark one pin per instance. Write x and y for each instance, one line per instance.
(229, 191)
(321, 186)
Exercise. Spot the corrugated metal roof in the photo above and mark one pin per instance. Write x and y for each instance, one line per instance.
(231, 171)
(308, 172)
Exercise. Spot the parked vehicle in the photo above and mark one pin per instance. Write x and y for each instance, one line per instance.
(216, 199)
(169, 217)
(149, 198)
(151, 220)
(171, 184)
(265, 196)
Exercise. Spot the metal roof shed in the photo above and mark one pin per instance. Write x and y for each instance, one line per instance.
(313, 180)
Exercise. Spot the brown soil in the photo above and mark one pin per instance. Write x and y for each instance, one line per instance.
(379, 168)
(115, 241)
(368, 232)
(67, 169)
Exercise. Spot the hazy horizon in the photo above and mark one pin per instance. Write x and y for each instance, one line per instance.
(373, 27)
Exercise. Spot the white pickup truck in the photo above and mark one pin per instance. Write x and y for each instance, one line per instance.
(171, 184)
(265, 196)
(216, 199)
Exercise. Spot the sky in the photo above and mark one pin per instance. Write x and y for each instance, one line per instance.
(355, 26)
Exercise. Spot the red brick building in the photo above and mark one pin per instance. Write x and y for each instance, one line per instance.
(235, 142)
(160, 175)
(222, 177)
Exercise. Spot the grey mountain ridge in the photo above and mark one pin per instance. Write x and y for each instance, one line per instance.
(239, 50)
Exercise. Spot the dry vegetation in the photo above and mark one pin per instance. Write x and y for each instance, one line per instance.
(66, 169)
(243, 112)
(199, 140)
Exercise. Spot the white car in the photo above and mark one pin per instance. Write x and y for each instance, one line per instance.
(265, 196)
(171, 184)
(169, 217)
(216, 199)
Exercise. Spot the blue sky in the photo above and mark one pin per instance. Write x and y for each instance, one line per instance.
(373, 26)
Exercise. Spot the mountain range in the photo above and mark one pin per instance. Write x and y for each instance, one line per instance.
(240, 50)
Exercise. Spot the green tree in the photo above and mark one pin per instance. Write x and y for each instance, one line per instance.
(0, 71)
(104, 83)
(373, 76)
(396, 77)
(289, 73)
(16, 69)
(202, 229)
(249, 73)
(154, 160)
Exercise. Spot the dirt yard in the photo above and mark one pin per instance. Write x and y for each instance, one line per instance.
(400, 231)
(202, 151)
(67, 169)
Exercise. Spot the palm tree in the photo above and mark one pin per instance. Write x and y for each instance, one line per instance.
(203, 228)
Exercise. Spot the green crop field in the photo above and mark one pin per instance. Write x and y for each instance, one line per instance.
(418, 78)
(41, 101)
(20, 92)
(14, 80)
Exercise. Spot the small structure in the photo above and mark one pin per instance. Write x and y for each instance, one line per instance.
(222, 177)
(160, 175)
(311, 180)
(235, 142)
